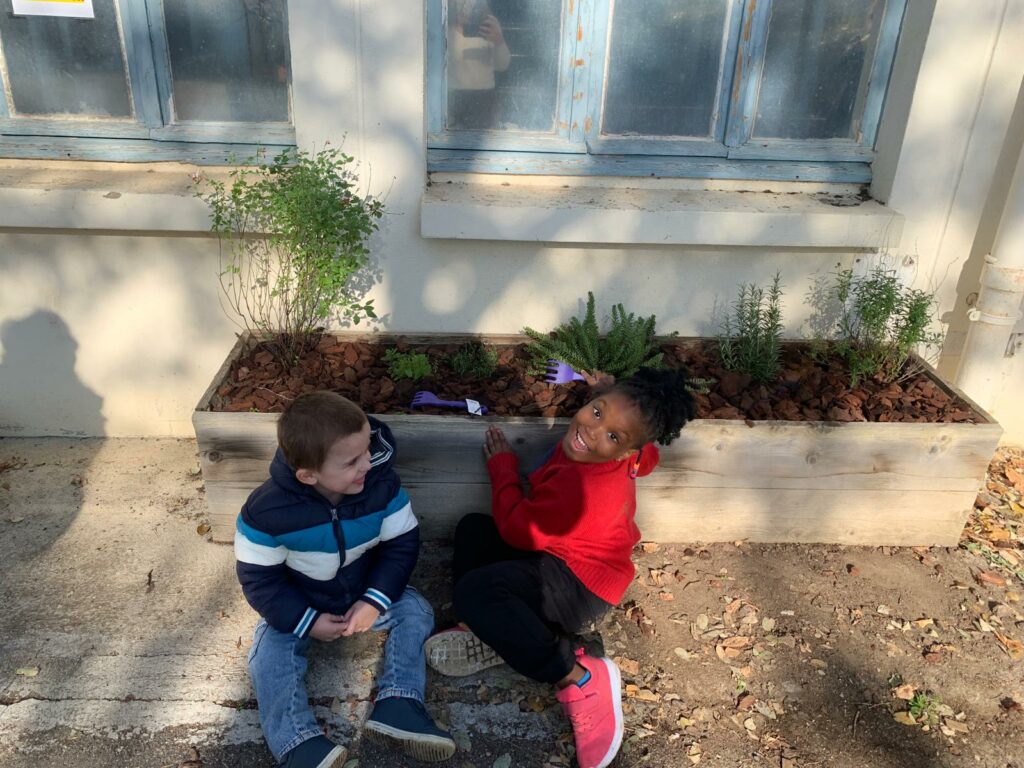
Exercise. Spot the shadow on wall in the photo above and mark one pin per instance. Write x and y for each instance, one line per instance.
(40, 393)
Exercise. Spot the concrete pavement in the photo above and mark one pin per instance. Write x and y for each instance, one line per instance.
(124, 634)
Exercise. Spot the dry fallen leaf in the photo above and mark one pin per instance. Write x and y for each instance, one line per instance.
(904, 718)
(736, 642)
(745, 702)
(990, 577)
(1014, 648)
(726, 654)
(694, 753)
(629, 666)
(905, 692)
(649, 546)
(203, 528)
(27, 671)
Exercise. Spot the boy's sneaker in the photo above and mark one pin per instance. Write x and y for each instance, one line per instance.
(318, 752)
(457, 652)
(595, 711)
(404, 724)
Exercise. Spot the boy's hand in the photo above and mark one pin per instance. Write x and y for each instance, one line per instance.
(359, 618)
(328, 627)
(495, 443)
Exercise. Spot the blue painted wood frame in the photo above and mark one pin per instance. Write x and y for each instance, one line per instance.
(133, 151)
(747, 76)
(784, 158)
(823, 150)
(4, 91)
(557, 140)
(135, 127)
(141, 23)
(711, 146)
(885, 55)
(436, 90)
(172, 129)
(554, 164)
(139, 61)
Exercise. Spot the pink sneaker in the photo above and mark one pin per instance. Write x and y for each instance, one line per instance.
(595, 711)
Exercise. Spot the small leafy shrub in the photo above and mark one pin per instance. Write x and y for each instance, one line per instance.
(407, 365)
(629, 344)
(293, 241)
(880, 323)
(474, 360)
(751, 339)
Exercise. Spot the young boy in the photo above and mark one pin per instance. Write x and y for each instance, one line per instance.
(325, 548)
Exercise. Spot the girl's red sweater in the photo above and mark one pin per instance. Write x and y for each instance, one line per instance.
(580, 513)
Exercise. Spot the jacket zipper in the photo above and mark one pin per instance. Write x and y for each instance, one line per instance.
(337, 533)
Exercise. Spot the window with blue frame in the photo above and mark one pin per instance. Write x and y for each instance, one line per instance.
(199, 80)
(786, 89)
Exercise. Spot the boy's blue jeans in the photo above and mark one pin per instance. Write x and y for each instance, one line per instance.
(277, 663)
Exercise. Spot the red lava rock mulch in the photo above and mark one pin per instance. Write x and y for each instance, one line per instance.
(806, 390)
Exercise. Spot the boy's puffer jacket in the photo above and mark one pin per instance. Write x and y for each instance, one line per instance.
(298, 557)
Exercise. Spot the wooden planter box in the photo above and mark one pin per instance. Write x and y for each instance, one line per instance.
(722, 480)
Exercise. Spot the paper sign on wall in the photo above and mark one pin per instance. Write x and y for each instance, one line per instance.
(75, 9)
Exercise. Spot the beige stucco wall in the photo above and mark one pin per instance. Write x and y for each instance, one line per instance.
(125, 291)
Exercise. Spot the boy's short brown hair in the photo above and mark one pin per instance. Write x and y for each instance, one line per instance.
(312, 423)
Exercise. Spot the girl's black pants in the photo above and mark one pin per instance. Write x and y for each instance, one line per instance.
(525, 605)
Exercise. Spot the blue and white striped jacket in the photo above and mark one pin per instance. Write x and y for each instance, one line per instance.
(298, 556)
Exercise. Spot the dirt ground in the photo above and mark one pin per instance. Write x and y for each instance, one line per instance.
(733, 654)
(796, 655)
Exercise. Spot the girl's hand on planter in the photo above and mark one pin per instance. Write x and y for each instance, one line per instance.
(328, 627)
(359, 618)
(598, 378)
(495, 443)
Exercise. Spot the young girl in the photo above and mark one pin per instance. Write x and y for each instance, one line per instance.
(547, 564)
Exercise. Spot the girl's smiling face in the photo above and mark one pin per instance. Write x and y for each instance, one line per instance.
(605, 429)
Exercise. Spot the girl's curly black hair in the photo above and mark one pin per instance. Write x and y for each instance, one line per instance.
(663, 400)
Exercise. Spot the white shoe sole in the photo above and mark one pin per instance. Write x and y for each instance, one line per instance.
(457, 654)
(616, 683)
(420, 746)
(335, 758)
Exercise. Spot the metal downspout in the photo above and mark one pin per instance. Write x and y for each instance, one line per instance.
(999, 300)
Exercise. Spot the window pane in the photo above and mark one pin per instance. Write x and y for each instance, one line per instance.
(229, 59)
(817, 66)
(663, 67)
(65, 67)
(503, 73)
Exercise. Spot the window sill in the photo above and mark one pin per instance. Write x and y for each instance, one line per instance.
(656, 216)
(157, 197)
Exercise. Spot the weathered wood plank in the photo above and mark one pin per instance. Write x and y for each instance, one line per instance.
(706, 514)
(709, 453)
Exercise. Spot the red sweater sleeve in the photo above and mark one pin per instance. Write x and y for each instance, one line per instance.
(530, 522)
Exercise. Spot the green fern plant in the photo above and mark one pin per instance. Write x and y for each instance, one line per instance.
(629, 344)
(407, 365)
(751, 339)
